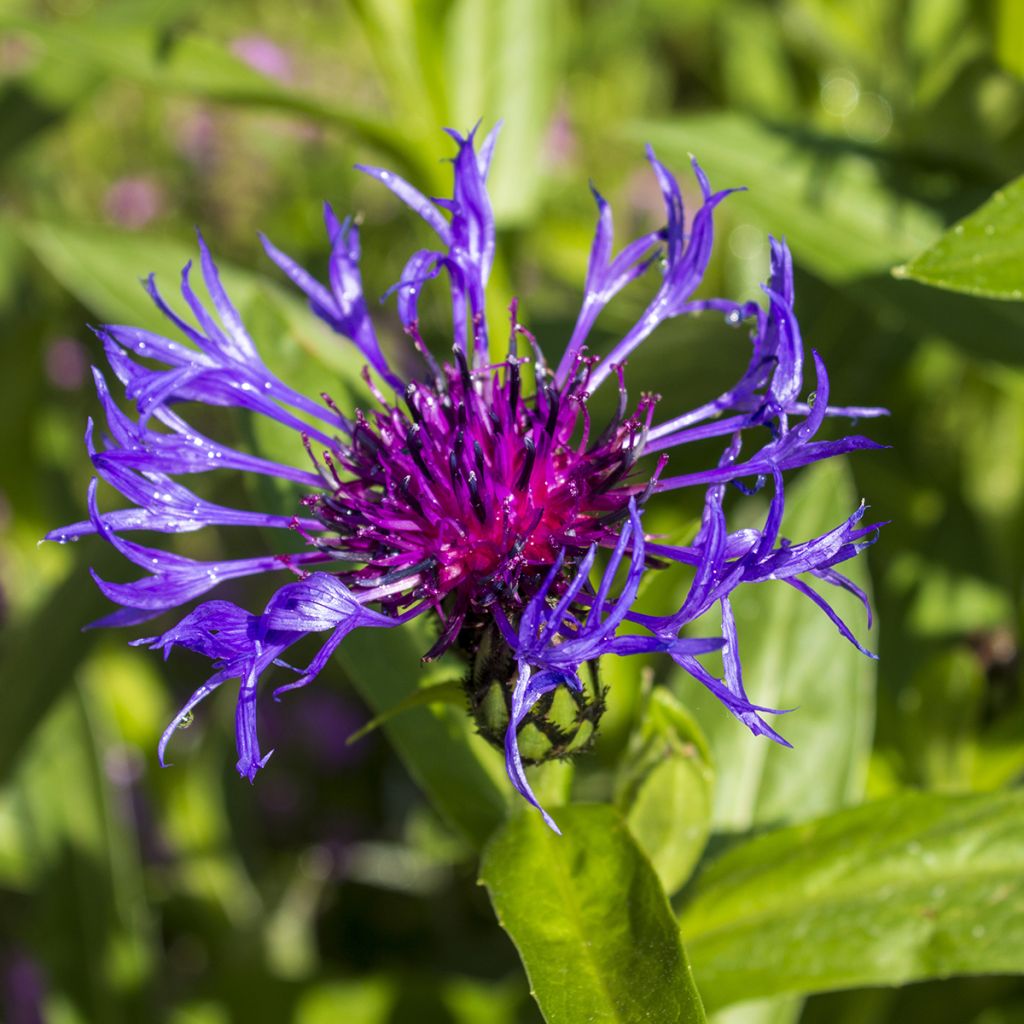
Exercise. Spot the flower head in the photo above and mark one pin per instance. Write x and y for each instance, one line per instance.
(477, 490)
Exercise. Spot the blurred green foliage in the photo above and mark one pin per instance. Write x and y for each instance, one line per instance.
(342, 886)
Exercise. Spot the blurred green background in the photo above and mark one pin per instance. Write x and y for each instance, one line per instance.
(331, 891)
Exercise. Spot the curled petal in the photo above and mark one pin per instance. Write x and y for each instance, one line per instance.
(528, 690)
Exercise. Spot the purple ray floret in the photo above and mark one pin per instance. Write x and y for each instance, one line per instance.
(475, 490)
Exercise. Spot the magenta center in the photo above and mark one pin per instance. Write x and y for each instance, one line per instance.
(466, 491)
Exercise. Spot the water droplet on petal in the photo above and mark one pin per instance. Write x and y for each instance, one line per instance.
(186, 720)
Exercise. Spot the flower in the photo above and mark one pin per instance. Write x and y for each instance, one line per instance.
(476, 491)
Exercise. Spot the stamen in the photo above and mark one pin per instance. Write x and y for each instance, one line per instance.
(343, 420)
(410, 392)
(414, 442)
(552, 399)
(513, 341)
(467, 380)
(474, 497)
(410, 499)
(527, 470)
(401, 574)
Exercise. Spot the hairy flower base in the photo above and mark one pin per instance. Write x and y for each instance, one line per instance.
(561, 724)
(476, 491)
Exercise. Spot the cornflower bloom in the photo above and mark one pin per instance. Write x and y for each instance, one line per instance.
(476, 491)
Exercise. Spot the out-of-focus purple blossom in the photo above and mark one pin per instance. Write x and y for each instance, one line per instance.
(478, 490)
(67, 363)
(265, 56)
(134, 202)
(23, 987)
(196, 136)
(561, 144)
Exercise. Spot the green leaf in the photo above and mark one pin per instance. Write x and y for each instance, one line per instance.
(793, 657)
(832, 203)
(186, 63)
(915, 887)
(981, 255)
(103, 268)
(406, 38)
(590, 921)
(367, 1000)
(26, 652)
(941, 713)
(780, 1010)
(1009, 35)
(490, 44)
(440, 693)
(460, 772)
(665, 789)
(756, 75)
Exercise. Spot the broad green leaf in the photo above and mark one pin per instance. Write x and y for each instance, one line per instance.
(186, 63)
(103, 268)
(406, 38)
(830, 201)
(755, 72)
(793, 657)
(981, 255)
(457, 769)
(1009, 35)
(591, 923)
(665, 787)
(918, 886)
(490, 44)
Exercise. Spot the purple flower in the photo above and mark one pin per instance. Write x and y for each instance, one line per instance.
(477, 491)
(264, 55)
